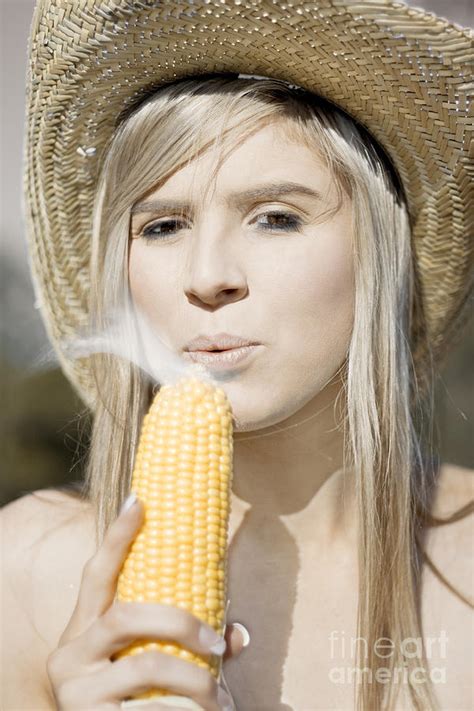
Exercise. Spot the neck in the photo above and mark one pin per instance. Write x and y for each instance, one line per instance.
(294, 471)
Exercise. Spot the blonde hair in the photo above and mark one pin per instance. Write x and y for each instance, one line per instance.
(388, 372)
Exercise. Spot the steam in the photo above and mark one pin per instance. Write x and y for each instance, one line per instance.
(129, 335)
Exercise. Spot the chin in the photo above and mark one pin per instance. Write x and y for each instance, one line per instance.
(269, 416)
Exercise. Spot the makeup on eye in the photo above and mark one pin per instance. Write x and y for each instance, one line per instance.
(293, 224)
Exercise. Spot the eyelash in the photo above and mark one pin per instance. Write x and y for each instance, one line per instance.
(294, 224)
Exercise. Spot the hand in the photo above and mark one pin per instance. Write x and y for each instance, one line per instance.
(80, 669)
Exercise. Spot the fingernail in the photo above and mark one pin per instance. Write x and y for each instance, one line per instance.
(128, 503)
(210, 639)
(224, 700)
(244, 632)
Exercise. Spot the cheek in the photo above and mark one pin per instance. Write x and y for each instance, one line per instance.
(332, 284)
(316, 311)
(146, 288)
(332, 299)
(318, 286)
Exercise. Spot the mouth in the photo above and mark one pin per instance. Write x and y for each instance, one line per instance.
(213, 350)
(222, 359)
(218, 342)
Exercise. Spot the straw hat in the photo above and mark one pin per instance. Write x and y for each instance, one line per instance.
(403, 73)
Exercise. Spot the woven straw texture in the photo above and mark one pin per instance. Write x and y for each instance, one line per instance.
(403, 73)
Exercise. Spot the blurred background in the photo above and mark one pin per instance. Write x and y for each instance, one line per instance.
(43, 422)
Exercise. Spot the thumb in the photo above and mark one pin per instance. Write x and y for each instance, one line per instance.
(236, 637)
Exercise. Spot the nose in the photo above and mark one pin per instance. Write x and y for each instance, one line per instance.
(214, 276)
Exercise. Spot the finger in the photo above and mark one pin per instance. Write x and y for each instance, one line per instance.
(100, 573)
(237, 638)
(126, 622)
(143, 672)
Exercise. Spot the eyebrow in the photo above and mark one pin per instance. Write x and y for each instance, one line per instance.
(237, 199)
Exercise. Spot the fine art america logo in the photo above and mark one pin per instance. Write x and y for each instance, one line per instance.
(343, 652)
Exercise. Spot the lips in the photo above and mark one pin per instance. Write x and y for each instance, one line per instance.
(223, 360)
(218, 343)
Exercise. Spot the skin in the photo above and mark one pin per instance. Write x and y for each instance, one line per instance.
(217, 269)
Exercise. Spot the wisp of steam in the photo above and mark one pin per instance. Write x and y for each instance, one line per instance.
(128, 334)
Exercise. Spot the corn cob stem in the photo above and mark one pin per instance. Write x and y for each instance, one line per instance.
(183, 475)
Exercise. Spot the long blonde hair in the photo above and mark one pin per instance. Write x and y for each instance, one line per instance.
(388, 372)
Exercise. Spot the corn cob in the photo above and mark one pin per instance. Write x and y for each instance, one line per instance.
(183, 474)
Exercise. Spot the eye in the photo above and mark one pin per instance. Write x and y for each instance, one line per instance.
(279, 222)
(158, 230)
(289, 223)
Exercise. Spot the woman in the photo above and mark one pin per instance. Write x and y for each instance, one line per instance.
(352, 281)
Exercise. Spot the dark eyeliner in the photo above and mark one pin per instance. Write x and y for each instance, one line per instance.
(293, 224)
(147, 232)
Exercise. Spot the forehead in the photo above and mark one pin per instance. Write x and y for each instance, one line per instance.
(268, 163)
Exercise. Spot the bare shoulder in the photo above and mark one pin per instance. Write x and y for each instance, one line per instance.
(49, 507)
(47, 536)
(43, 528)
(447, 592)
(450, 546)
(455, 488)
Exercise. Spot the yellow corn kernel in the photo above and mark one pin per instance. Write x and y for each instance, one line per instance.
(183, 475)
